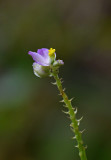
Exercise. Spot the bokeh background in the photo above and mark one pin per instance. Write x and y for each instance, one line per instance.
(32, 126)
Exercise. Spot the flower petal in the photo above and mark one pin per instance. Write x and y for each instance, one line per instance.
(45, 53)
(38, 58)
(36, 67)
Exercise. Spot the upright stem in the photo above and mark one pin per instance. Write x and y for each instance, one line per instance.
(74, 121)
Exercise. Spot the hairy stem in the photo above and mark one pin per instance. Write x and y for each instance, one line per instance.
(72, 114)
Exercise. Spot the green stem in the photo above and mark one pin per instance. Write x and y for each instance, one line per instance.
(72, 114)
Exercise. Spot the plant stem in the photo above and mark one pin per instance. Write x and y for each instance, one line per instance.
(72, 114)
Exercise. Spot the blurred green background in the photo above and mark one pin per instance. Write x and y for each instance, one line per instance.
(32, 126)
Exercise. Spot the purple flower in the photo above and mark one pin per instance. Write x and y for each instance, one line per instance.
(42, 57)
(44, 60)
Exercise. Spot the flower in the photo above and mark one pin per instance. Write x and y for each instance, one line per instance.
(43, 56)
(44, 60)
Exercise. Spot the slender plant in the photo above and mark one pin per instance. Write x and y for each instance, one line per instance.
(46, 65)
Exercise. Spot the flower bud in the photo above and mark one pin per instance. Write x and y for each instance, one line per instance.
(58, 63)
(41, 71)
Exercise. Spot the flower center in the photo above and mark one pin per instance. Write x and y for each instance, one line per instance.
(51, 52)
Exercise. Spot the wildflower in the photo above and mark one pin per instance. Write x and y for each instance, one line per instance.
(44, 60)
